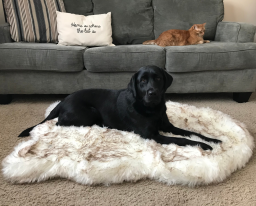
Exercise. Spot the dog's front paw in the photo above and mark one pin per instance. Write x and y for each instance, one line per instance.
(216, 141)
(205, 146)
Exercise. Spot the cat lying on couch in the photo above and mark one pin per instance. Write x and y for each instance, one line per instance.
(175, 37)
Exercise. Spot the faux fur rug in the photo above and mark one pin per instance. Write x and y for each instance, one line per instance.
(95, 155)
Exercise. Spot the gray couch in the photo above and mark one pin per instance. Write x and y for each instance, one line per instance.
(227, 64)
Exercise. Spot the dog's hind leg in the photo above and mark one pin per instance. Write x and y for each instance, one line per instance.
(86, 116)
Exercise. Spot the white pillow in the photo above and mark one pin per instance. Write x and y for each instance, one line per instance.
(93, 30)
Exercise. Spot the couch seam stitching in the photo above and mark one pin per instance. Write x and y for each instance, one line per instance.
(213, 52)
(238, 32)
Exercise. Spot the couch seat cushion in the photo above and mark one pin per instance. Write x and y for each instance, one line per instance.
(211, 57)
(123, 58)
(41, 57)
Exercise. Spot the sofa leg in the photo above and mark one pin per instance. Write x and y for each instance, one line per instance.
(5, 98)
(241, 97)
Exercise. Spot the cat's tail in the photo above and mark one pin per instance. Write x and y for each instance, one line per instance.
(149, 42)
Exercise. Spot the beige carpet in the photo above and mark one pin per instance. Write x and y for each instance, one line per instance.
(25, 111)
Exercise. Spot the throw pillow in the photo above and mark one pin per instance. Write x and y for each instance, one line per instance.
(93, 30)
(33, 20)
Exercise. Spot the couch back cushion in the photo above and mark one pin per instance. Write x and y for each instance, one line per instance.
(182, 14)
(132, 20)
(82, 7)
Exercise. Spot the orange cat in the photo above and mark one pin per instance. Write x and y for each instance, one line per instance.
(175, 37)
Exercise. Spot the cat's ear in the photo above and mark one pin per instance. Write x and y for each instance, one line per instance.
(195, 27)
(204, 24)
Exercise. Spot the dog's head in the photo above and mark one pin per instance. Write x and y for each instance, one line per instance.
(149, 85)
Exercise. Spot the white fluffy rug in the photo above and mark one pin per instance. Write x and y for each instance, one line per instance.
(95, 155)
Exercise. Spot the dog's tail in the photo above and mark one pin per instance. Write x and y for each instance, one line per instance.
(53, 114)
(149, 42)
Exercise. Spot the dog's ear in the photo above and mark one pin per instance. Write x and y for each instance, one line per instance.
(132, 85)
(167, 79)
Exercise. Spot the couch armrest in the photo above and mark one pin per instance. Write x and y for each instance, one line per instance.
(235, 32)
(5, 35)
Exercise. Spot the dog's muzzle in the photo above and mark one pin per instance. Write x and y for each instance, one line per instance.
(152, 98)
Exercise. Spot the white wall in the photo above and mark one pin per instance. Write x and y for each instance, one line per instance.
(240, 11)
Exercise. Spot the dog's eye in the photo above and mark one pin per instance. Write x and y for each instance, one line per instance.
(143, 80)
(158, 78)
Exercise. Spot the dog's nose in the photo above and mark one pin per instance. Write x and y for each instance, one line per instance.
(151, 92)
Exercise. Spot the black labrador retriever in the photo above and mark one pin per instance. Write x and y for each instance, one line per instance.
(139, 108)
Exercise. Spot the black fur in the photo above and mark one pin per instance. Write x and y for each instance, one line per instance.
(139, 108)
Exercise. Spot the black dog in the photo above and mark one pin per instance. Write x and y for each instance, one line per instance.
(139, 108)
